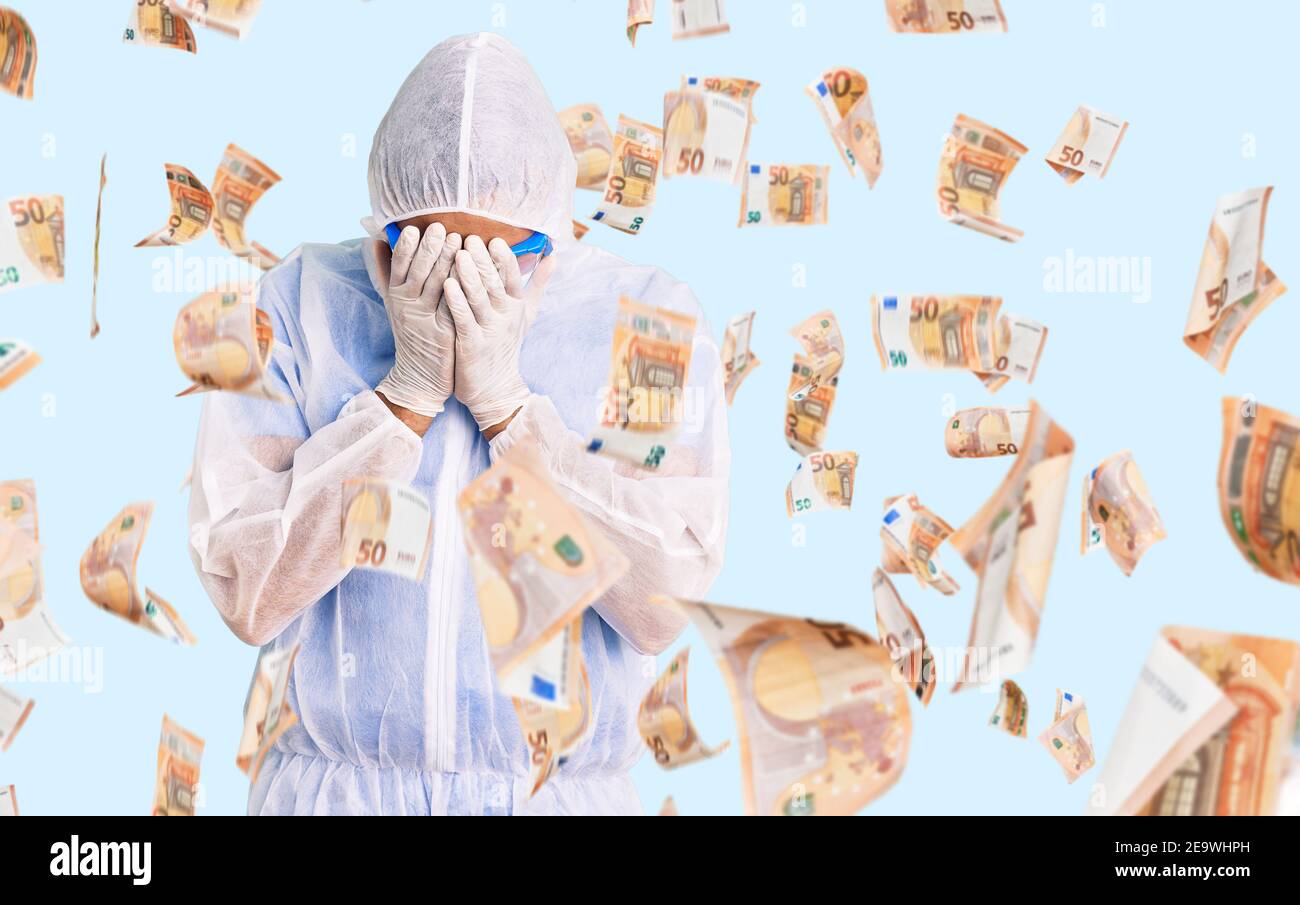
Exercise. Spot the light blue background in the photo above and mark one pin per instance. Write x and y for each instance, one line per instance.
(1193, 78)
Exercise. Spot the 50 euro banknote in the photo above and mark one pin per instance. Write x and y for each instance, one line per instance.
(706, 127)
(223, 341)
(16, 359)
(780, 194)
(28, 632)
(823, 480)
(843, 99)
(1087, 145)
(633, 173)
(385, 525)
(31, 242)
(664, 720)
(976, 162)
(591, 143)
(956, 332)
(944, 17)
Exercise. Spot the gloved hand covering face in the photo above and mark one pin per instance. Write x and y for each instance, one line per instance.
(472, 130)
(491, 310)
(422, 375)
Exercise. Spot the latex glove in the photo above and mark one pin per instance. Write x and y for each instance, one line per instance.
(491, 309)
(423, 372)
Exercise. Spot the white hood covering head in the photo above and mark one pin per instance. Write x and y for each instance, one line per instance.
(472, 131)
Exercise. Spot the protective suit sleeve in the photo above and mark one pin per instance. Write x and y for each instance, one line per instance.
(266, 496)
(670, 523)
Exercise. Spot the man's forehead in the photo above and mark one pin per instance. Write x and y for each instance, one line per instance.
(470, 225)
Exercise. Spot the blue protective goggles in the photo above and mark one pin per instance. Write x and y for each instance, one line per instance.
(529, 252)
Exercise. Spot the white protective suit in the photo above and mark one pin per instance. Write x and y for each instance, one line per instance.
(398, 705)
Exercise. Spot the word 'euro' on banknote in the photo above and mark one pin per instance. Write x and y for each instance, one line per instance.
(229, 17)
(901, 635)
(31, 242)
(1011, 714)
(240, 181)
(1087, 145)
(1209, 731)
(956, 332)
(267, 714)
(1233, 285)
(591, 142)
(823, 480)
(779, 194)
(738, 361)
(1009, 544)
(911, 534)
(386, 526)
(979, 433)
(1118, 512)
(108, 576)
(176, 787)
(976, 161)
(1259, 486)
(537, 561)
(665, 721)
(824, 728)
(16, 359)
(945, 17)
(153, 23)
(17, 55)
(633, 173)
(1069, 738)
(843, 99)
(223, 341)
(644, 405)
(28, 632)
(706, 127)
(807, 413)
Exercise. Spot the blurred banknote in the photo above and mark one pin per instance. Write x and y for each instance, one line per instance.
(267, 714)
(911, 533)
(1259, 486)
(537, 561)
(191, 209)
(780, 194)
(706, 127)
(807, 416)
(823, 480)
(941, 17)
(8, 801)
(665, 722)
(1012, 712)
(668, 808)
(385, 525)
(1234, 284)
(976, 161)
(14, 710)
(1210, 729)
(223, 341)
(1009, 543)
(1118, 512)
(633, 171)
(156, 24)
(579, 230)
(31, 242)
(650, 358)
(956, 332)
(639, 12)
(108, 576)
(1087, 145)
(697, 18)
(28, 632)
(552, 734)
(16, 359)
(230, 17)
(1069, 738)
(981, 432)
(241, 180)
(902, 636)
(824, 728)
(176, 788)
(738, 362)
(99, 210)
(592, 144)
(842, 98)
(550, 677)
(17, 55)
(823, 342)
